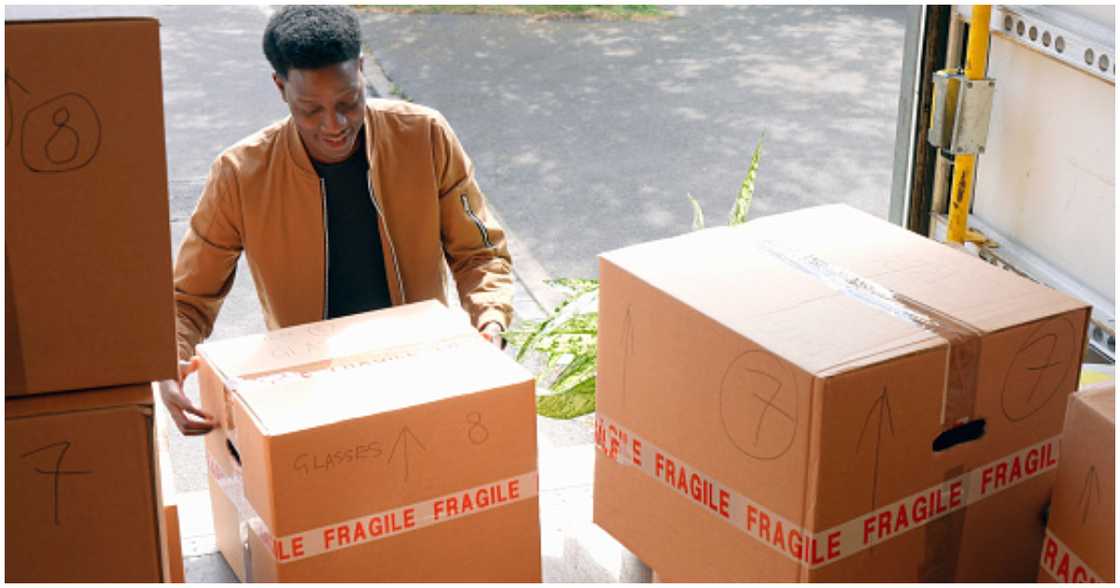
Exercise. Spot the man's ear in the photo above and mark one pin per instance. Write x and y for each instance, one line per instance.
(362, 63)
(280, 82)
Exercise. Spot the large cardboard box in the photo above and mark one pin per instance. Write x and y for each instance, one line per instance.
(1081, 532)
(79, 490)
(396, 445)
(87, 258)
(772, 400)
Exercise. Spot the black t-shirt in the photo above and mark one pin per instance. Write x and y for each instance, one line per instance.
(355, 266)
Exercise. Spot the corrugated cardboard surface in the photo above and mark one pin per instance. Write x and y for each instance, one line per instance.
(87, 264)
(80, 501)
(320, 345)
(818, 406)
(419, 406)
(1083, 510)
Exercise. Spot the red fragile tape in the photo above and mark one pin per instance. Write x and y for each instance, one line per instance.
(1063, 564)
(379, 525)
(809, 547)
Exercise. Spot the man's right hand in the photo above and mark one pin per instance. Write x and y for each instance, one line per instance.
(190, 419)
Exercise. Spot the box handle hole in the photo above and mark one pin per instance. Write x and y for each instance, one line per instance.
(233, 451)
(970, 431)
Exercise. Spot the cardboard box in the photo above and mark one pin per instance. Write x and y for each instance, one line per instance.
(80, 493)
(770, 398)
(87, 259)
(1081, 532)
(170, 539)
(396, 445)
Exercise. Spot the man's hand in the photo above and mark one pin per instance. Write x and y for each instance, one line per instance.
(492, 332)
(190, 419)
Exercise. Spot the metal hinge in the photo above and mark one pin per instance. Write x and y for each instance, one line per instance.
(961, 112)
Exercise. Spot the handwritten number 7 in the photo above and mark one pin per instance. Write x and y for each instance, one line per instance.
(57, 472)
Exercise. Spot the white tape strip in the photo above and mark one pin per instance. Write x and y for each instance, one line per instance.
(233, 486)
(404, 519)
(380, 525)
(818, 549)
(1063, 564)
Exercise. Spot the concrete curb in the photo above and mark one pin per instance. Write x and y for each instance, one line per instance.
(376, 80)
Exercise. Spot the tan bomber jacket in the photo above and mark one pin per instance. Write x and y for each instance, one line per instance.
(263, 197)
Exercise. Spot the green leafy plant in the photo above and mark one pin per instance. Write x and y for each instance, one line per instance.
(565, 344)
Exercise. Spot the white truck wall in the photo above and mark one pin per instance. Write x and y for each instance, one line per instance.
(1047, 179)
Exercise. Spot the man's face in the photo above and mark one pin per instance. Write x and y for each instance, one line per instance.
(327, 106)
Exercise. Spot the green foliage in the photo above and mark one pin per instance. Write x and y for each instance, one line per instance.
(697, 214)
(742, 204)
(570, 405)
(566, 342)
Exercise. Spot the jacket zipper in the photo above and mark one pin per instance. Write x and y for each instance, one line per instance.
(326, 251)
(477, 221)
(388, 238)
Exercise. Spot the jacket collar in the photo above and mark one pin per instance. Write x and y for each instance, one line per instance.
(299, 154)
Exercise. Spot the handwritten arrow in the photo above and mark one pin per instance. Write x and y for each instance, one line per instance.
(886, 419)
(402, 442)
(1092, 486)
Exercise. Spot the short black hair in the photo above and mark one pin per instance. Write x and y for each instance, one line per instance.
(310, 37)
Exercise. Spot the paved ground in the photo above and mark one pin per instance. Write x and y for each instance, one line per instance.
(588, 135)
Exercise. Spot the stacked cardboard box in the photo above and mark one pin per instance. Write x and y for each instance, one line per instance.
(823, 396)
(395, 445)
(88, 307)
(79, 499)
(1081, 533)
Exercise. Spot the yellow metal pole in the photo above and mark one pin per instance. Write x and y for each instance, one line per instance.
(976, 63)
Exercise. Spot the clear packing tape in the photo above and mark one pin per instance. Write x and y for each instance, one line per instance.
(964, 340)
(365, 360)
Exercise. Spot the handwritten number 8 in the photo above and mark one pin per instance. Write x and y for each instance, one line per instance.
(477, 432)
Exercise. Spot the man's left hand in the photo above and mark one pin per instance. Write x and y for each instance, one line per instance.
(492, 332)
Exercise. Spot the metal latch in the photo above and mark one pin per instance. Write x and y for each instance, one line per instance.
(962, 109)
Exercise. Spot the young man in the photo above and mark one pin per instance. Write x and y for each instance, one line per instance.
(347, 205)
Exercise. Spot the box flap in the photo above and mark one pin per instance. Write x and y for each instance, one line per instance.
(43, 404)
(318, 343)
(428, 373)
(951, 281)
(1101, 398)
(730, 275)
